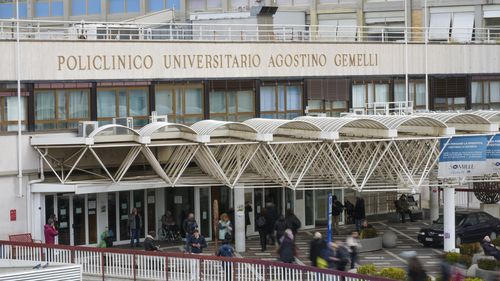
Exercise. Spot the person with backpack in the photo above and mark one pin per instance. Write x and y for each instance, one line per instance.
(337, 209)
(292, 222)
(280, 226)
(225, 250)
(342, 255)
(260, 223)
(189, 226)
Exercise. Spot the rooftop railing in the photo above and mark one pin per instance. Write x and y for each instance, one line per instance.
(71, 30)
(140, 265)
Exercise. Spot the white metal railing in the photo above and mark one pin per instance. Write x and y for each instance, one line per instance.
(389, 108)
(80, 30)
(133, 264)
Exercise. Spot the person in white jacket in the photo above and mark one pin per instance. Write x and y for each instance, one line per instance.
(354, 245)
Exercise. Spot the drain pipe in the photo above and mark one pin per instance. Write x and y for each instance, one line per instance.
(19, 115)
(28, 192)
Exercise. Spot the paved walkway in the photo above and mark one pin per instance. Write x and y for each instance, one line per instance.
(407, 241)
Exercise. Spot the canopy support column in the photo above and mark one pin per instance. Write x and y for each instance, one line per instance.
(449, 219)
(239, 218)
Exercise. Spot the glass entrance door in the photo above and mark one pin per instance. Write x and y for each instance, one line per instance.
(309, 207)
(179, 202)
(63, 215)
(125, 208)
(79, 220)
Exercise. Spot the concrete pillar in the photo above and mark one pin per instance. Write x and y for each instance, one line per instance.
(239, 218)
(449, 219)
(37, 219)
(102, 213)
(434, 203)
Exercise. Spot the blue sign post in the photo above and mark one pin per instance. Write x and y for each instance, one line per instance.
(462, 156)
(329, 215)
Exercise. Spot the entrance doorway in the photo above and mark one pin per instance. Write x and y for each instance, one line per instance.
(321, 205)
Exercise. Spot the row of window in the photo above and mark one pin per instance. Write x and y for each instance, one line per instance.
(184, 103)
(55, 8)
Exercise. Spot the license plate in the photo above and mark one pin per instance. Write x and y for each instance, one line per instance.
(428, 239)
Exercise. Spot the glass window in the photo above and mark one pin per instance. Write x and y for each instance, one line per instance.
(485, 94)
(9, 113)
(116, 6)
(133, 6)
(85, 7)
(49, 8)
(281, 101)
(495, 91)
(330, 108)
(381, 92)
(125, 102)
(416, 93)
(214, 4)
(157, 5)
(61, 109)
(196, 4)
(358, 96)
(182, 103)
(232, 105)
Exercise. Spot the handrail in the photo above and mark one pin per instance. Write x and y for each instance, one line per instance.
(197, 31)
(85, 254)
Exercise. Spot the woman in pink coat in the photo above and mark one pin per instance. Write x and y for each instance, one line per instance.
(50, 232)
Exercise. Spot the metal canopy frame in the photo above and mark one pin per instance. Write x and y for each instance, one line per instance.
(366, 153)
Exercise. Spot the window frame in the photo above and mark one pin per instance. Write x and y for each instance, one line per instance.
(372, 84)
(56, 121)
(125, 11)
(86, 9)
(50, 2)
(182, 88)
(4, 122)
(412, 83)
(117, 90)
(285, 111)
(484, 94)
(226, 115)
(329, 111)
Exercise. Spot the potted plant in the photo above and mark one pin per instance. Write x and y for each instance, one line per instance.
(370, 241)
(393, 273)
(488, 269)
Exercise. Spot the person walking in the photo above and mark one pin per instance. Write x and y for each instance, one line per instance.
(337, 209)
(287, 250)
(359, 212)
(225, 250)
(134, 226)
(50, 232)
(150, 242)
(342, 255)
(353, 245)
(248, 210)
(260, 223)
(197, 242)
(292, 222)
(329, 255)
(225, 227)
(189, 226)
(271, 218)
(416, 271)
(280, 226)
(316, 247)
(404, 208)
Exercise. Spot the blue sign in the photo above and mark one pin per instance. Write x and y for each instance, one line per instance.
(463, 156)
(329, 215)
(493, 154)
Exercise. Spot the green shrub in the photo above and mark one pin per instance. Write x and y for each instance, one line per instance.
(488, 264)
(496, 242)
(472, 279)
(368, 233)
(393, 273)
(470, 248)
(453, 258)
(367, 269)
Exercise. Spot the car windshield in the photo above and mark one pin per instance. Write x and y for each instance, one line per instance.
(458, 219)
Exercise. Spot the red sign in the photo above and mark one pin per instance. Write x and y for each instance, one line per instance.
(13, 215)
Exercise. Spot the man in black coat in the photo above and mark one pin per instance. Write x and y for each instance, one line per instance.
(359, 212)
(271, 218)
(316, 246)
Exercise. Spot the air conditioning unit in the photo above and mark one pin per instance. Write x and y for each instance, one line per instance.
(157, 118)
(86, 127)
(124, 121)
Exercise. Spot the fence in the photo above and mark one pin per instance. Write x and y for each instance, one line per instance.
(141, 265)
(80, 30)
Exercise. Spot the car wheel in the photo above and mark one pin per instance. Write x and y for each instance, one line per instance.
(493, 235)
(458, 241)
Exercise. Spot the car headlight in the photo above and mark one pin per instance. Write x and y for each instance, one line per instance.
(421, 233)
(441, 235)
